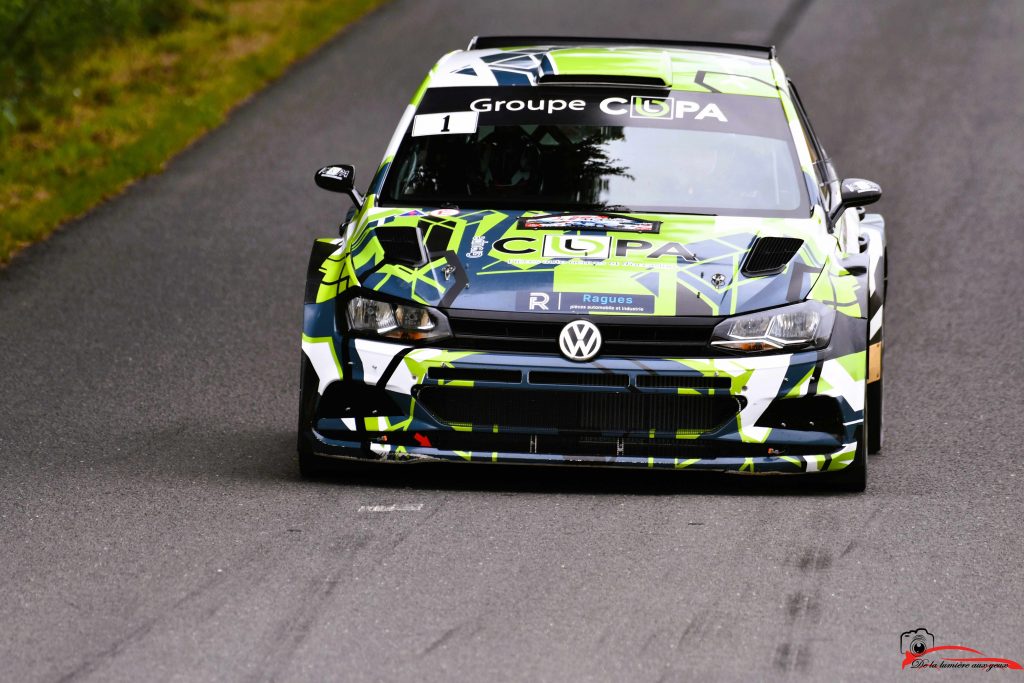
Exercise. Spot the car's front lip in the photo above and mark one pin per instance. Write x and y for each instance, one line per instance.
(754, 381)
(784, 464)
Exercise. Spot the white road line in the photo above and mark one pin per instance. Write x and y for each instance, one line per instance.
(394, 507)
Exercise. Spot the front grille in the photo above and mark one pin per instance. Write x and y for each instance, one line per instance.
(610, 411)
(443, 374)
(539, 334)
(582, 379)
(682, 382)
(771, 254)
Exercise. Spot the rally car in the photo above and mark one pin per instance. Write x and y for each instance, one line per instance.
(600, 252)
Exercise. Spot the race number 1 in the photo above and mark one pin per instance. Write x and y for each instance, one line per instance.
(445, 123)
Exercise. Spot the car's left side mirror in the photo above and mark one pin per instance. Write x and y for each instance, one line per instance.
(339, 178)
(859, 192)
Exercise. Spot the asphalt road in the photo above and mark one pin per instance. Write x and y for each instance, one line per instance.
(153, 526)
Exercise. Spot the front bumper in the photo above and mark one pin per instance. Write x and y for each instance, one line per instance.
(784, 413)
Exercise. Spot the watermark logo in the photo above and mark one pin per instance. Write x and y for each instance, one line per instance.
(920, 652)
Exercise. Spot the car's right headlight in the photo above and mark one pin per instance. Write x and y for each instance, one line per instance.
(806, 325)
(392, 320)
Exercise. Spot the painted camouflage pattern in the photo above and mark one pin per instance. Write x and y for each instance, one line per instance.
(465, 271)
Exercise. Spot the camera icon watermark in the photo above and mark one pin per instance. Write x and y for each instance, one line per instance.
(920, 652)
(916, 642)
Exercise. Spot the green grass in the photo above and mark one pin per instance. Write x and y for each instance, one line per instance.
(124, 103)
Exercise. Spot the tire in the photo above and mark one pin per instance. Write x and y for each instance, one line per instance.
(311, 465)
(873, 408)
(875, 418)
(853, 477)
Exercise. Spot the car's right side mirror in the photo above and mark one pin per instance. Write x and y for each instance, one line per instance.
(859, 192)
(339, 178)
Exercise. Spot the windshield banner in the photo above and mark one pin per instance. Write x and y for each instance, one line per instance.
(462, 110)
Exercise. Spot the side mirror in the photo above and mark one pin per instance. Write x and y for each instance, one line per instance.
(339, 178)
(859, 192)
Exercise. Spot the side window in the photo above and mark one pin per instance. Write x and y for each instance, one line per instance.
(825, 173)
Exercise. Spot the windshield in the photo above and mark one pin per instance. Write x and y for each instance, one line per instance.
(597, 153)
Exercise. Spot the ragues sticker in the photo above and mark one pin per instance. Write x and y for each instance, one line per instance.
(584, 302)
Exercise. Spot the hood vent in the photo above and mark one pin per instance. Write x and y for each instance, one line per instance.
(770, 255)
(401, 244)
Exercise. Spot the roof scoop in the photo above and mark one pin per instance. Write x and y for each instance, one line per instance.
(636, 67)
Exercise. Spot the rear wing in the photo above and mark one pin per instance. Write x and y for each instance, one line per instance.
(486, 42)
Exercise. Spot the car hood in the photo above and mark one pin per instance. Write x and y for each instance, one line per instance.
(591, 264)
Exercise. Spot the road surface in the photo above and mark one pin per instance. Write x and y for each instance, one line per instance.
(153, 526)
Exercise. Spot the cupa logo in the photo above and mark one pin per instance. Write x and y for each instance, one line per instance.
(576, 246)
(920, 652)
(580, 340)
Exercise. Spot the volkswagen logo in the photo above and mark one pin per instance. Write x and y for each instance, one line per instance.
(580, 340)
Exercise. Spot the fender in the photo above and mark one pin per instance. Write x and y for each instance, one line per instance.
(873, 243)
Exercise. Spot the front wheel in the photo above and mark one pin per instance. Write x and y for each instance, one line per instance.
(311, 466)
(853, 477)
(874, 396)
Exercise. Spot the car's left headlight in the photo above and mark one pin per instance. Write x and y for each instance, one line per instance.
(394, 320)
(806, 325)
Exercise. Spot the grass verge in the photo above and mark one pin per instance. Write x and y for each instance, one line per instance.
(131, 106)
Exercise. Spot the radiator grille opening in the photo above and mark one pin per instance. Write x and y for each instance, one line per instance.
(682, 382)
(610, 411)
(474, 375)
(585, 379)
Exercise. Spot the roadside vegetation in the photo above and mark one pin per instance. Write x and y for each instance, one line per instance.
(97, 93)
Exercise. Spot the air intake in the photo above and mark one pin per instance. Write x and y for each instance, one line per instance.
(401, 244)
(770, 255)
(603, 79)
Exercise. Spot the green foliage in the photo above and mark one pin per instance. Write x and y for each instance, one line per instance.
(97, 93)
(43, 38)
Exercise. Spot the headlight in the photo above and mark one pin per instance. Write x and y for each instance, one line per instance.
(807, 325)
(409, 322)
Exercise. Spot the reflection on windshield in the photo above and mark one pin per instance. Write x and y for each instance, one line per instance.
(574, 167)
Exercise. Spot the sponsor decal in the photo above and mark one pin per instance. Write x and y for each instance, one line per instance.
(339, 172)
(576, 246)
(488, 104)
(860, 186)
(477, 245)
(584, 302)
(592, 247)
(441, 213)
(920, 652)
(580, 340)
(644, 107)
(607, 222)
(637, 106)
(679, 109)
